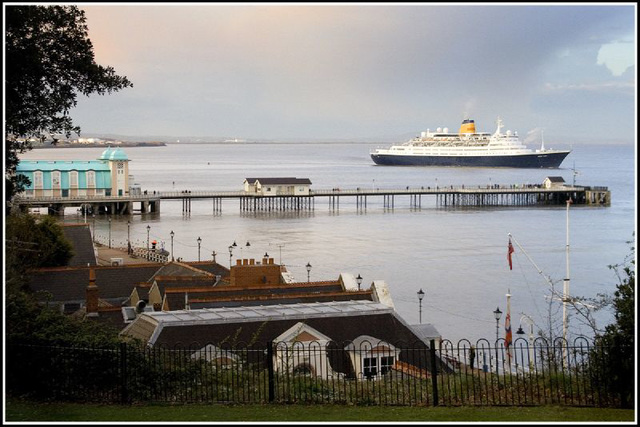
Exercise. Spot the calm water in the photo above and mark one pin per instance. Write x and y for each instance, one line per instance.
(457, 256)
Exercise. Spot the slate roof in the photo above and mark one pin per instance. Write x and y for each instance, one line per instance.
(79, 235)
(68, 284)
(341, 321)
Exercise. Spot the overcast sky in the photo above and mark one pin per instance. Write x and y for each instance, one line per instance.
(319, 71)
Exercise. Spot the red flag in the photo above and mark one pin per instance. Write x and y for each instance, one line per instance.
(509, 252)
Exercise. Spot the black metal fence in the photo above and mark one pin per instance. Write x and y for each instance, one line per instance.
(375, 373)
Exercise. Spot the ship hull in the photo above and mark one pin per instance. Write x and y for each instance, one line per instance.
(533, 160)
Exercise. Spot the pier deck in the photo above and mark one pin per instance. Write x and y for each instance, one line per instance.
(451, 196)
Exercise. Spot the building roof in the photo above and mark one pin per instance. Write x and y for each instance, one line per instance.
(61, 165)
(208, 325)
(275, 181)
(118, 154)
(555, 178)
(79, 235)
(68, 284)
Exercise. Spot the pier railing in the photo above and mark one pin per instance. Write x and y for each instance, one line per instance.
(461, 195)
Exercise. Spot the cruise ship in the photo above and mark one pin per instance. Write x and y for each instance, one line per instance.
(468, 148)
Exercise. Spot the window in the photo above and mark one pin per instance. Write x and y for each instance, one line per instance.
(386, 364)
(91, 178)
(37, 179)
(55, 179)
(73, 178)
(370, 365)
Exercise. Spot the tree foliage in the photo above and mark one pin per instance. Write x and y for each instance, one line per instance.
(35, 243)
(49, 60)
(615, 353)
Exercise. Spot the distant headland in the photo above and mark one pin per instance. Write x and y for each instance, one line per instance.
(94, 142)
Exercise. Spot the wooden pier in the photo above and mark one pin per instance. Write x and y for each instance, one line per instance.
(452, 196)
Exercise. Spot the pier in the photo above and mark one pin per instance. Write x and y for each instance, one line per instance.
(445, 197)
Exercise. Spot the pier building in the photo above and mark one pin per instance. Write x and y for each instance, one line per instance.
(108, 176)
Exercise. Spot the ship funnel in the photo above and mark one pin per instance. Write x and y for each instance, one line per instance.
(468, 126)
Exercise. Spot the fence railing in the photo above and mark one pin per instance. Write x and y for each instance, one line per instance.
(529, 373)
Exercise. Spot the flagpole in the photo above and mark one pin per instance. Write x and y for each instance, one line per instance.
(507, 329)
(565, 294)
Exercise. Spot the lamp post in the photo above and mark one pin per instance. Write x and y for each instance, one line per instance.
(199, 241)
(359, 280)
(420, 296)
(94, 227)
(129, 237)
(172, 234)
(148, 229)
(109, 232)
(308, 272)
(497, 314)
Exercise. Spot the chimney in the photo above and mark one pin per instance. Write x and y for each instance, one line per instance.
(92, 295)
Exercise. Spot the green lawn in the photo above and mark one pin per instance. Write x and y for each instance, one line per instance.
(20, 411)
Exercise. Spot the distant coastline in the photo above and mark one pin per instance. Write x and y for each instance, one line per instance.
(63, 144)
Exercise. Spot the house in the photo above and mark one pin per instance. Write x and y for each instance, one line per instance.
(353, 338)
(277, 186)
(553, 182)
(106, 176)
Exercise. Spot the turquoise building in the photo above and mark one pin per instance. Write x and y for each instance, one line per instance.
(106, 176)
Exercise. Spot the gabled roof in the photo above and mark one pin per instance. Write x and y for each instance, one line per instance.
(555, 178)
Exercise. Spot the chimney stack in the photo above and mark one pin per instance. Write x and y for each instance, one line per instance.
(92, 295)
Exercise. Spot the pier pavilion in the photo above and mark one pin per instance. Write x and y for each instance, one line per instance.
(103, 185)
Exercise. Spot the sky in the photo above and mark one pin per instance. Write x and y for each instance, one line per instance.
(365, 71)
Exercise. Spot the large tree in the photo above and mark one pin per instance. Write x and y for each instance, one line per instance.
(49, 60)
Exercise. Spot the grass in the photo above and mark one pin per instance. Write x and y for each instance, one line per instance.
(24, 411)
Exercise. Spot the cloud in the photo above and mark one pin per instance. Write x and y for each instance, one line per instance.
(617, 56)
(346, 70)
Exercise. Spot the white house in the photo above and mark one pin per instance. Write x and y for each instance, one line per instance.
(277, 186)
(553, 181)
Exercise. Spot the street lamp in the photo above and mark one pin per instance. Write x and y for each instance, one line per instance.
(308, 272)
(148, 229)
(199, 241)
(129, 237)
(109, 232)
(420, 296)
(172, 234)
(497, 314)
(359, 280)
(94, 227)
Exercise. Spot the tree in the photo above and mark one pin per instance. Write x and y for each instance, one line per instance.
(615, 350)
(49, 60)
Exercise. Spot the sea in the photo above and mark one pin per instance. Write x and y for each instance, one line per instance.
(456, 255)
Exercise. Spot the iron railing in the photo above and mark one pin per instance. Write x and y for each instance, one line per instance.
(530, 373)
